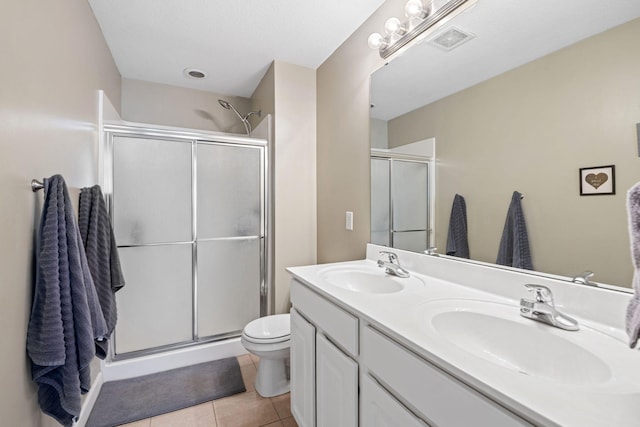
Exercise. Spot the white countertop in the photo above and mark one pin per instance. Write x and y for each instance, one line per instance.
(613, 401)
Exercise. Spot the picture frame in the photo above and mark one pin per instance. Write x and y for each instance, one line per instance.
(598, 180)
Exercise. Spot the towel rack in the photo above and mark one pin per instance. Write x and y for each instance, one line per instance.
(36, 185)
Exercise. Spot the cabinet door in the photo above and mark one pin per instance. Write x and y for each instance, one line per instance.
(380, 409)
(303, 385)
(337, 386)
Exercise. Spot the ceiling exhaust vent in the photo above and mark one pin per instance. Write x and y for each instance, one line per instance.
(451, 38)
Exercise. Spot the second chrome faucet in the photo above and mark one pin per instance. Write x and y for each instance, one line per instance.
(542, 309)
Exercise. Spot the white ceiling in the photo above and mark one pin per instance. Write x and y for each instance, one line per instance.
(232, 41)
(508, 33)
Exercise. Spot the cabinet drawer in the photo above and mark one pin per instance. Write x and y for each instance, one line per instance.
(440, 398)
(341, 326)
(381, 410)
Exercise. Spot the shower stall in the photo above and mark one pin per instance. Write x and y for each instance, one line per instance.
(189, 215)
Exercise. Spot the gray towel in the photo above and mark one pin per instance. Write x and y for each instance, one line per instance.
(65, 315)
(457, 243)
(633, 310)
(514, 245)
(102, 256)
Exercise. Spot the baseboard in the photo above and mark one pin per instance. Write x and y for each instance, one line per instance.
(113, 371)
(89, 400)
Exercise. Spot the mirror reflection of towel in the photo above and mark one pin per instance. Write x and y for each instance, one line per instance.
(514, 246)
(457, 243)
(633, 310)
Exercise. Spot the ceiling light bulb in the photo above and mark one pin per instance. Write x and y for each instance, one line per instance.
(392, 26)
(414, 9)
(375, 41)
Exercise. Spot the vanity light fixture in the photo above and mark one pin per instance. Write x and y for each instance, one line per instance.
(420, 18)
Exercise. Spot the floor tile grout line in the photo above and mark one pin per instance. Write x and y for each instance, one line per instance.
(215, 417)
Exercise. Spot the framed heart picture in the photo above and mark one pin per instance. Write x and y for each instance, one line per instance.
(598, 180)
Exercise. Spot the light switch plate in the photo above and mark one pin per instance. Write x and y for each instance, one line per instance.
(349, 221)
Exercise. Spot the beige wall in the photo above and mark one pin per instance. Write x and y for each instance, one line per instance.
(530, 130)
(155, 103)
(343, 141)
(54, 60)
(288, 92)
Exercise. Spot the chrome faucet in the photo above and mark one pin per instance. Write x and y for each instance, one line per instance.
(583, 278)
(393, 265)
(543, 309)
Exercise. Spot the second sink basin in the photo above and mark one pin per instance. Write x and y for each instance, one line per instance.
(498, 334)
(367, 279)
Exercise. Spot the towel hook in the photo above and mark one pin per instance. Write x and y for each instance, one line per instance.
(36, 185)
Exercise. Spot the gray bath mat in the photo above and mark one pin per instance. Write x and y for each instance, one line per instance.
(134, 399)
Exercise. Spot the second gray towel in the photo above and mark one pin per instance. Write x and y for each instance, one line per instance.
(457, 243)
(102, 256)
(514, 246)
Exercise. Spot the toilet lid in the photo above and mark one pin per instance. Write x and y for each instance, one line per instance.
(269, 328)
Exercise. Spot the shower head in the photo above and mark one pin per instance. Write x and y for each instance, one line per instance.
(245, 122)
(229, 106)
(224, 104)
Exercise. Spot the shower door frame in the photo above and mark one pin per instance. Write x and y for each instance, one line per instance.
(194, 138)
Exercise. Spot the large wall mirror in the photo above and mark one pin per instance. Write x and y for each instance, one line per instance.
(540, 90)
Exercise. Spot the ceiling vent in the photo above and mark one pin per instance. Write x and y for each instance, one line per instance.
(451, 38)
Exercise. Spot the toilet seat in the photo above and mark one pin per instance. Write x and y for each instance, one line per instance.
(268, 330)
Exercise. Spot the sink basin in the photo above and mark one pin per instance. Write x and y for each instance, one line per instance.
(365, 279)
(498, 334)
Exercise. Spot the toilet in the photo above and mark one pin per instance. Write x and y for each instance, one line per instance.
(269, 338)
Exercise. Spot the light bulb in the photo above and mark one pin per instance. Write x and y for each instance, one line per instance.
(392, 26)
(414, 9)
(375, 41)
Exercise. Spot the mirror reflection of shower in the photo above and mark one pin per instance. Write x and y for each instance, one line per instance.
(244, 119)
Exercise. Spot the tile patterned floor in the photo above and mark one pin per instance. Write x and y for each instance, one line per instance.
(246, 409)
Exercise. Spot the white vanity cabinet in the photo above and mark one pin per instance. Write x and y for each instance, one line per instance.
(342, 375)
(324, 374)
(445, 349)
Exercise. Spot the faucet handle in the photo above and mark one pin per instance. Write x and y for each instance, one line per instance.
(431, 251)
(583, 278)
(393, 258)
(543, 294)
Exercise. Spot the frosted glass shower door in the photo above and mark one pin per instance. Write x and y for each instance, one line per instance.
(151, 207)
(380, 201)
(409, 195)
(230, 237)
